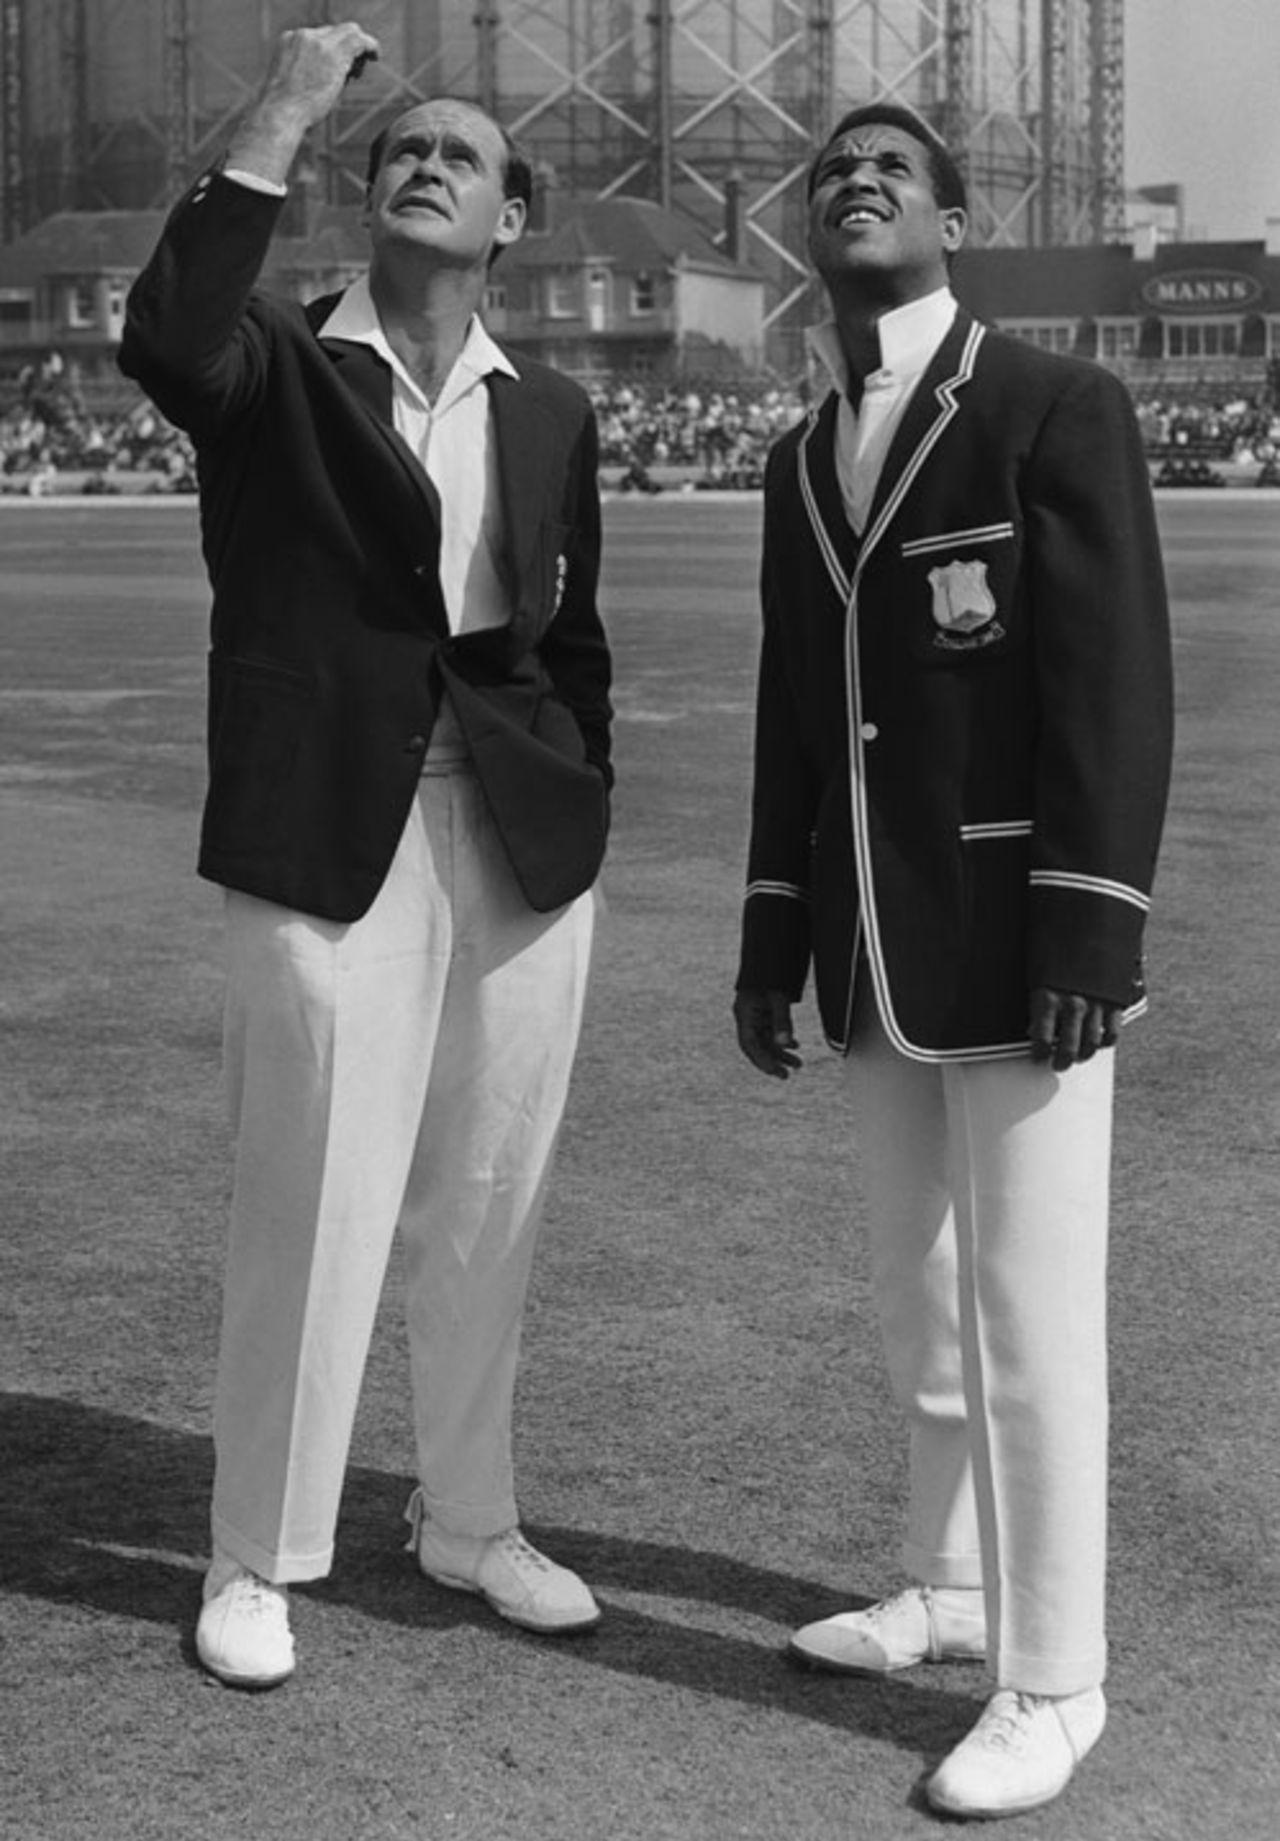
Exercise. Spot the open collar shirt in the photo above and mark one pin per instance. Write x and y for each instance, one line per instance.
(453, 440)
(909, 337)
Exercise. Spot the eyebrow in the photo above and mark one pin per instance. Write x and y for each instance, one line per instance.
(845, 151)
(450, 140)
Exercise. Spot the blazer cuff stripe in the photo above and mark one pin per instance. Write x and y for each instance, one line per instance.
(1090, 885)
(789, 891)
(1001, 827)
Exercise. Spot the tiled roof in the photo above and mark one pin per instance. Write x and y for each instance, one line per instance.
(634, 234)
(80, 242)
(631, 233)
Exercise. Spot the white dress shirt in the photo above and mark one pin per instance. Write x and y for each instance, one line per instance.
(453, 439)
(909, 337)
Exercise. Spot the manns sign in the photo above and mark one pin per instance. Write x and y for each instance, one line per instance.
(1202, 290)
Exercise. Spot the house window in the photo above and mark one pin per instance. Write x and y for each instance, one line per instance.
(82, 305)
(1048, 335)
(495, 297)
(1202, 338)
(562, 296)
(644, 296)
(1118, 339)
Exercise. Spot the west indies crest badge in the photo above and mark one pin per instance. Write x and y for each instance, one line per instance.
(964, 608)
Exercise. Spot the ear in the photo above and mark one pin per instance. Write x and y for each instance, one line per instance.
(954, 224)
(510, 222)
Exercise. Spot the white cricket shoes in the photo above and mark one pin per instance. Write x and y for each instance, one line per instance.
(1020, 1754)
(517, 1581)
(923, 1624)
(243, 1634)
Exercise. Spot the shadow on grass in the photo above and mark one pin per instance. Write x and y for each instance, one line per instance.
(110, 1514)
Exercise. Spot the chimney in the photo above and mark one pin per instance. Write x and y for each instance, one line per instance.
(542, 206)
(735, 217)
(1145, 238)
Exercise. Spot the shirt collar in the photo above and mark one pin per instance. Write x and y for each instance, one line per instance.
(355, 318)
(909, 337)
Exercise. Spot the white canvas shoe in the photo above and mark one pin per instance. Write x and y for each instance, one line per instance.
(1020, 1754)
(243, 1634)
(517, 1581)
(923, 1624)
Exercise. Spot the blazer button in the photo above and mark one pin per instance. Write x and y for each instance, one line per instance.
(416, 744)
(869, 731)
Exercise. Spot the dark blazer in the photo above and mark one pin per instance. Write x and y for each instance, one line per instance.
(330, 646)
(964, 724)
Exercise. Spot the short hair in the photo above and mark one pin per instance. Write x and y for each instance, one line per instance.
(944, 174)
(517, 172)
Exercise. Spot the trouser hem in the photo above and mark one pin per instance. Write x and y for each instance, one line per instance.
(478, 1520)
(963, 1571)
(1050, 1674)
(275, 1568)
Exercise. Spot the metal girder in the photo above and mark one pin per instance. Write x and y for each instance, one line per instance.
(13, 165)
(1106, 107)
(664, 98)
(75, 104)
(179, 117)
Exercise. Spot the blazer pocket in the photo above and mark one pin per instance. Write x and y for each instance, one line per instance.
(258, 709)
(973, 535)
(963, 584)
(995, 860)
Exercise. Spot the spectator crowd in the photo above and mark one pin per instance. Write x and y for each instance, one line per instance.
(707, 435)
(47, 429)
(718, 436)
(1237, 429)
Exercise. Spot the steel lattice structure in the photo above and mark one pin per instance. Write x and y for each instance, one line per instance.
(114, 103)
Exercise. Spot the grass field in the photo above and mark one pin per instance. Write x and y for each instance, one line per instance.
(704, 1428)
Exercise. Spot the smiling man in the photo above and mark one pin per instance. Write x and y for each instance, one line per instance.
(409, 775)
(962, 759)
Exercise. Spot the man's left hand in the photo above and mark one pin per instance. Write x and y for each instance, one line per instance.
(1067, 1027)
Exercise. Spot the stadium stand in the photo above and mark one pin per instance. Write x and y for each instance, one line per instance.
(56, 428)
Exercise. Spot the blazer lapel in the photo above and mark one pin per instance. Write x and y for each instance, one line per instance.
(368, 379)
(932, 405)
(525, 439)
(824, 501)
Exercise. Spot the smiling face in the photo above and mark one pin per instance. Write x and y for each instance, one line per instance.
(876, 228)
(440, 187)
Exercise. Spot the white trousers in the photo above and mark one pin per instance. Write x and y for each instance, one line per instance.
(988, 1192)
(408, 1071)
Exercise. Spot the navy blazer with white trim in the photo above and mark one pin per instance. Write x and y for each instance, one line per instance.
(975, 806)
(330, 646)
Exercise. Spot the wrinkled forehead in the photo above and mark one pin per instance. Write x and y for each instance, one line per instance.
(447, 115)
(871, 138)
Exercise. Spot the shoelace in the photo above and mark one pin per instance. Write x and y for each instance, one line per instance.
(256, 1597)
(889, 1607)
(1007, 1720)
(522, 1553)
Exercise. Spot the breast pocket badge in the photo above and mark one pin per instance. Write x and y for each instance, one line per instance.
(964, 608)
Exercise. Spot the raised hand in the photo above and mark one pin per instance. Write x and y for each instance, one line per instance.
(309, 68)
